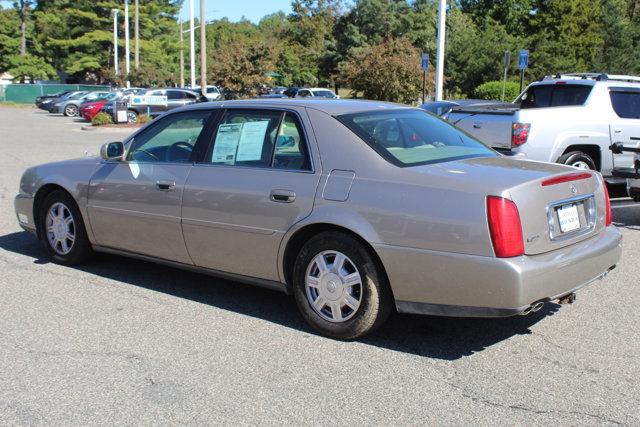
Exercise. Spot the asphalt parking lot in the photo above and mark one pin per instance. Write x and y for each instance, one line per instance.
(118, 341)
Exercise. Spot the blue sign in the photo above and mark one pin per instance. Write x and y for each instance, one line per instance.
(424, 63)
(523, 59)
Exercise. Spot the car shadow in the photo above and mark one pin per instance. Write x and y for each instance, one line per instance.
(427, 336)
(626, 214)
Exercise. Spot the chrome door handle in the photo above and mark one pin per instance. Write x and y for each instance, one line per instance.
(165, 185)
(282, 196)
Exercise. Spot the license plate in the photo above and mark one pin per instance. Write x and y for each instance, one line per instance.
(568, 218)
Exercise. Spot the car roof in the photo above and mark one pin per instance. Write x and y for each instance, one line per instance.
(332, 107)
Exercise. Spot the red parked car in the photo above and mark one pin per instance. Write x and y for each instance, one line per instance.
(88, 110)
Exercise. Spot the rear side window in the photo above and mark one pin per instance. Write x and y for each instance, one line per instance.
(555, 95)
(260, 138)
(626, 104)
(407, 137)
(175, 95)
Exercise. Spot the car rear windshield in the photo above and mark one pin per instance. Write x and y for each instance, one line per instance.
(554, 95)
(408, 137)
(323, 93)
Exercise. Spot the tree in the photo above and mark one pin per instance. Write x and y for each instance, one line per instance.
(388, 71)
(566, 35)
(9, 44)
(23, 67)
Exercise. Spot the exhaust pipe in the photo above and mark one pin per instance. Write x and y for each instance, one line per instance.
(533, 308)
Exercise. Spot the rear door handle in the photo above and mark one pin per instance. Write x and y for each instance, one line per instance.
(282, 196)
(165, 185)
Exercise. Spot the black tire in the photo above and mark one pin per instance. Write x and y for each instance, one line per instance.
(71, 111)
(80, 249)
(376, 301)
(575, 158)
(132, 116)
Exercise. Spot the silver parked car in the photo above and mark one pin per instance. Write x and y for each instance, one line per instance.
(356, 208)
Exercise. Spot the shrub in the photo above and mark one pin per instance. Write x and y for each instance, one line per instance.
(101, 119)
(143, 118)
(493, 91)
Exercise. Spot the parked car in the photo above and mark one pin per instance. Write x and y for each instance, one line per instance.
(175, 98)
(316, 92)
(291, 91)
(89, 109)
(213, 92)
(272, 96)
(53, 107)
(570, 119)
(441, 108)
(277, 90)
(354, 207)
(71, 107)
(41, 99)
(47, 103)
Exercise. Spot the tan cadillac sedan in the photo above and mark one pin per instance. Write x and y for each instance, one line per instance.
(356, 208)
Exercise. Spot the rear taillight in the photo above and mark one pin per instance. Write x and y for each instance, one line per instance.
(519, 134)
(607, 206)
(504, 227)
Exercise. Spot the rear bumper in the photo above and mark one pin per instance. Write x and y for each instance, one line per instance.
(438, 283)
(23, 204)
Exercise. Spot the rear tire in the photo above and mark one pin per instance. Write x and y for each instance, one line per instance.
(62, 229)
(132, 116)
(70, 111)
(577, 159)
(351, 298)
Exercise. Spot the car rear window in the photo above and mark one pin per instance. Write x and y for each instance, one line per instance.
(554, 95)
(408, 137)
(626, 102)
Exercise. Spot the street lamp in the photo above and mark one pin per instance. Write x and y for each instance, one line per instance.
(126, 39)
(114, 13)
(442, 16)
(192, 42)
(203, 48)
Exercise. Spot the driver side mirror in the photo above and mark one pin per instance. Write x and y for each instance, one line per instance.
(112, 150)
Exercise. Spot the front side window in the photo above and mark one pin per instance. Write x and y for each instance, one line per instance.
(407, 137)
(554, 95)
(170, 140)
(259, 138)
(626, 103)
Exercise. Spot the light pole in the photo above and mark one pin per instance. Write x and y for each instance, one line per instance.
(136, 26)
(126, 40)
(203, 48)
(192, 42)
(442, 15)
(181, 56)
(114, 13)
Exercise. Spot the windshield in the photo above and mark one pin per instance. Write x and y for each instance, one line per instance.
(324, 93)
(408, 137)
(212, 90)
(554, 95)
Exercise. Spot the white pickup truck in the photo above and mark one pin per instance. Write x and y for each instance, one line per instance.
(570, 119)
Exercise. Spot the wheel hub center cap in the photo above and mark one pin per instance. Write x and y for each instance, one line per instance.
(331, 286)
(59, 229)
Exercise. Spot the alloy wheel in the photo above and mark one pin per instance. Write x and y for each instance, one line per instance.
(61, 228)
(333, 286)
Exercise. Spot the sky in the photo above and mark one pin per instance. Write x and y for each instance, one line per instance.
(253, 10)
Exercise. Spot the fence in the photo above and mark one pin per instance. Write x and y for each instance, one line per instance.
(27, 93)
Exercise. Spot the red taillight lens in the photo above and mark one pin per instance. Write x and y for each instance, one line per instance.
(607, 206)
(504, 227)
(519, 134)
(574, 176)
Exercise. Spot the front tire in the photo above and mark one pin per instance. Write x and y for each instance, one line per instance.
(578, 159)
(132, 116)
(62, 229)
(339, 287)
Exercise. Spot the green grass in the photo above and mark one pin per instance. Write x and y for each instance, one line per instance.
(14, 104)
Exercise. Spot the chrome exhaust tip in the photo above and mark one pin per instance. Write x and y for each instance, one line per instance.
(535, 307)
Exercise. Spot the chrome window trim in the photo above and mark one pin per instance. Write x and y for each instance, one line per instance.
(589, 211)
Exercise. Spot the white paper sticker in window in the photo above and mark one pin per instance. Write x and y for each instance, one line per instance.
(251, 141)
(226, 144)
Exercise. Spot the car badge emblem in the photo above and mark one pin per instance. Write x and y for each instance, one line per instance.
(573, 189)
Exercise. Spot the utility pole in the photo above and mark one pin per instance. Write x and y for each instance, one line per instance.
(23, 27)
(192, 42)
(181, 56)
(136, 58)
(126, 40)
(442, 14)
(203, 48)
(114, 12)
